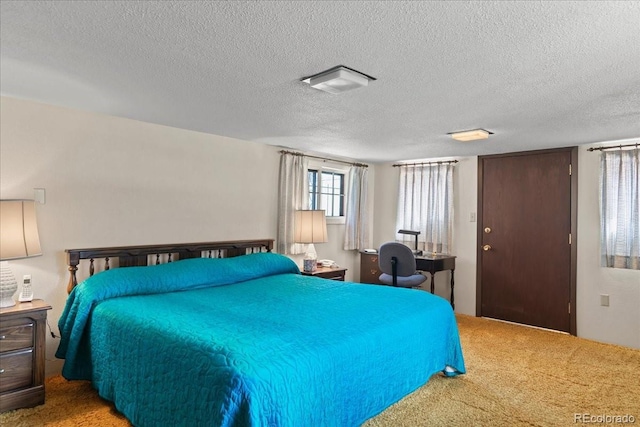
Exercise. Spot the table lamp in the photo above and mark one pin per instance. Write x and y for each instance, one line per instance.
(18, 239)
(412, 233)
(310, 228)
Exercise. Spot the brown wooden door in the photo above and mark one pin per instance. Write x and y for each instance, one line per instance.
(526, 262)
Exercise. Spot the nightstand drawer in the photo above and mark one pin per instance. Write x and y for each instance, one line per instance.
(16, 337)
(333, 275)
(16, 370)
(327, 273)
(23, 344)
(369, 270)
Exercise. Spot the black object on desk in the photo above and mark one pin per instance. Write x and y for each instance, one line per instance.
(435, 263)
(416, 252)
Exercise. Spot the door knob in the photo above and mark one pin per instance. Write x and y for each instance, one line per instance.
(487, 230)
(486, 248)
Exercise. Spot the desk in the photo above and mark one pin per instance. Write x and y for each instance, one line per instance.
(369, 270)
(435, 263)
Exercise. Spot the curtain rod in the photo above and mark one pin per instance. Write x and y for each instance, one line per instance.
(443, 162)
(323, 158)
(613, 147)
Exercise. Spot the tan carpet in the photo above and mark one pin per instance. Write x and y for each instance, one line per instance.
(524, 376)
(515, 376)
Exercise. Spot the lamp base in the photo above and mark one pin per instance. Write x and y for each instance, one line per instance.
(8, 286)
(310, 261)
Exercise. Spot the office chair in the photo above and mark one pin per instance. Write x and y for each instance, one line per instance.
(398, 266)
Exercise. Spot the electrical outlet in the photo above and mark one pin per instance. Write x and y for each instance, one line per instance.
(604, 300)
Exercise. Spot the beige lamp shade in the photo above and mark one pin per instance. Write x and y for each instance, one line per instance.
(18, 230)
(310, 227)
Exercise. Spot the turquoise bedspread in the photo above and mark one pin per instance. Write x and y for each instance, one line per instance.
(248, 341)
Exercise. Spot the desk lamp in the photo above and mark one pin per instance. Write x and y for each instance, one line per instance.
(412, 233)
(18, 239)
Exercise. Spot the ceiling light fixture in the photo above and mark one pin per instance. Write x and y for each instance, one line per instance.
(470, 135)
(338, 79)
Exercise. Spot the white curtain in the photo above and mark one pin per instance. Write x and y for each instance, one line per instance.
(425, 204)
(620, 209)
(293, 195)
(356, 235)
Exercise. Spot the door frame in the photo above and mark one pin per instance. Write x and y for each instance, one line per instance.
(574, 228)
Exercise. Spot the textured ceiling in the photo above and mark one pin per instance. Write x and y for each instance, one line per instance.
(537, 74)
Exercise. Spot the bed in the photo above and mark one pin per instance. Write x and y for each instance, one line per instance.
(231, 334)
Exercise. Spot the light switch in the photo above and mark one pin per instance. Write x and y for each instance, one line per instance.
(39, 195)
(604, 300)
(472, 217)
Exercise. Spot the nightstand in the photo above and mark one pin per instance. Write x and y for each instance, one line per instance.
(327, 273)
(22, 354)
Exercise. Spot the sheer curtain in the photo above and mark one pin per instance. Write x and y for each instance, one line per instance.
(425, 204)
(620, 209)
(292, 195)
(356, 235)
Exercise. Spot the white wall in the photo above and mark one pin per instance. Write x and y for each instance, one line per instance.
(618, 324)
(111, 181)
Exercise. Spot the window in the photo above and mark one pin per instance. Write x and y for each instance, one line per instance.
(620, 209)
(425, 204)
(326, 191)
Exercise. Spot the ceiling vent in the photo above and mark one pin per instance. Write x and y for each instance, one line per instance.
(338, 79)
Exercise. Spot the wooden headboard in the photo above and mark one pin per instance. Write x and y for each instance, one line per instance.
(129, 256)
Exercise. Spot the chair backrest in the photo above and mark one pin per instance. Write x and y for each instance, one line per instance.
(404, 255)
